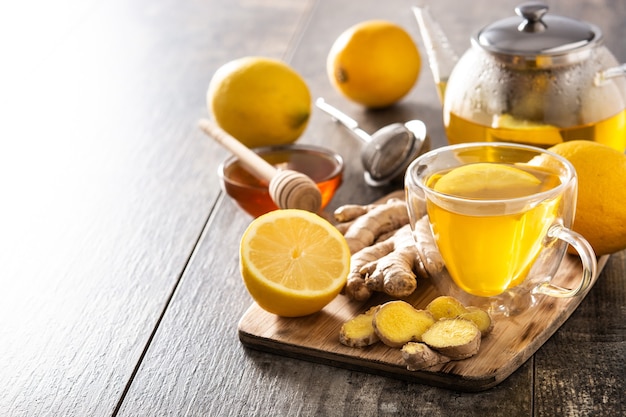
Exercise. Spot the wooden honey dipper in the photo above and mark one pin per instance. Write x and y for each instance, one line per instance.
(288, 189)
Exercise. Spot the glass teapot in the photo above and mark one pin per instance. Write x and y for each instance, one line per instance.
(534, 78)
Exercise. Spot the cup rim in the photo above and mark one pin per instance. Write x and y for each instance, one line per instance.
(304, 148)
(572, 176)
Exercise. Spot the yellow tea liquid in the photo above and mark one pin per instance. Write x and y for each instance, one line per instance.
(492, 248)
(611, 132)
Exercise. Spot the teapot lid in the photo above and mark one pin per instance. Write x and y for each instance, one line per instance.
(533, 34)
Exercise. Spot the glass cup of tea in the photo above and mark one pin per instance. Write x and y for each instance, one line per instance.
(500, 215)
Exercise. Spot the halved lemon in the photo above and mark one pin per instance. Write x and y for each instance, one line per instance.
(485, 180)
(293, 262)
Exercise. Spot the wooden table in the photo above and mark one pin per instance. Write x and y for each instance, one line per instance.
(118, 251)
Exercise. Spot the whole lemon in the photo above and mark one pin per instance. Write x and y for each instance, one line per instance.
(601, 206)
(374, 63)
(259, 101)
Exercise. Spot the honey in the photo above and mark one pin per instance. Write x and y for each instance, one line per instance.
(252, 193)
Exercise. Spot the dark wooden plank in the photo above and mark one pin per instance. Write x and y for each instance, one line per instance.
(580, 371)
(196, 366)
(106, 183)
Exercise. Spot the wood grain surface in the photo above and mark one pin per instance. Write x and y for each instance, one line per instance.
(118, 249)
(106, 183)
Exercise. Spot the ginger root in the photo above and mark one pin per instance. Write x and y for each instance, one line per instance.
(430, 258)
(455, 338)
(349, 212)
(386, 254)
(373, 221)
(419, 356)
(398, 322)
(359, 332)
(386, 266)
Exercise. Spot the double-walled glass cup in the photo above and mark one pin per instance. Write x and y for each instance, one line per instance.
(500, 215)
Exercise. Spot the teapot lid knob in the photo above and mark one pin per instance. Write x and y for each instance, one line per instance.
(532, 14)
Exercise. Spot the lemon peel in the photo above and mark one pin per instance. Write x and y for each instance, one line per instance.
(374, 63)
(259, 101)
(601, 205)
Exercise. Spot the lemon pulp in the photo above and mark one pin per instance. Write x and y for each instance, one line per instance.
(487, 180)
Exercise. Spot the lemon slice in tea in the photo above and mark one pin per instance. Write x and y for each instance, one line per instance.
(485, 180)
(510, 129)
(293, 262)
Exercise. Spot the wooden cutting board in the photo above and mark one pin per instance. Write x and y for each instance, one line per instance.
(512, 341)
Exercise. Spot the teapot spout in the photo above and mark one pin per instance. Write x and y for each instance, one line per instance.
(441, 56)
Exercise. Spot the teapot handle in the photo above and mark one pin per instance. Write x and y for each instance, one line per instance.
(603, 76)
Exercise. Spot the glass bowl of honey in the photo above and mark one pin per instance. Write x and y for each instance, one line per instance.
(323, 166)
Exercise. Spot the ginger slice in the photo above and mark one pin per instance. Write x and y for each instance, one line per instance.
(398, 322)
(480, 318)
(445, 331)
(359, 331)
(418, 356)
(455, 338)
(446, 307)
